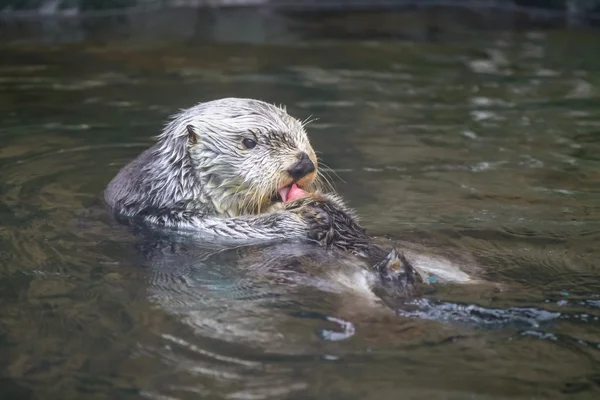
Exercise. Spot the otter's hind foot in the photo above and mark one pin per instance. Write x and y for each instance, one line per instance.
(397, 277)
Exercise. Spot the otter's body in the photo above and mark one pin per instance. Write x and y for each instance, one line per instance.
(228, 170)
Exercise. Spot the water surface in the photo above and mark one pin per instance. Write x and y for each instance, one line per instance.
(483, 151)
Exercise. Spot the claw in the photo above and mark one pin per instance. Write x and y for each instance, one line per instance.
(319, 223)
(391, 263)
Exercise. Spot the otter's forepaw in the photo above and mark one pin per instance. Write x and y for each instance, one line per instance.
(319, 223)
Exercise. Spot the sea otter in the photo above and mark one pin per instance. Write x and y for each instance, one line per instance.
(243, 171)
(216, 168)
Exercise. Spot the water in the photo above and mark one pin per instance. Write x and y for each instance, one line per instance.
(481, 152)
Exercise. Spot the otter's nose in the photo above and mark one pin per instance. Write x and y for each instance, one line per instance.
(303, 167)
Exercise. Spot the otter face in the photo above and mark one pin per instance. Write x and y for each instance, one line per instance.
(247, 154)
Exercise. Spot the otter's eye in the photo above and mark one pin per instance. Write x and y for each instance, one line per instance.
(249, 143)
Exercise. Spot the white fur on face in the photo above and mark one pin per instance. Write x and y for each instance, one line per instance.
(235, 179)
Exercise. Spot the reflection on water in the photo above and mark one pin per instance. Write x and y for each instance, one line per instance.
(483, 153)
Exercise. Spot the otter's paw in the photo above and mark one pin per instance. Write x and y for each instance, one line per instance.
(397, 275)
(319, 223)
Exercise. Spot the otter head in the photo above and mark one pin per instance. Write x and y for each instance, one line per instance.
(245, 154)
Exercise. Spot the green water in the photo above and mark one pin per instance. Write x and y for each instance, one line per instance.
(483, 151)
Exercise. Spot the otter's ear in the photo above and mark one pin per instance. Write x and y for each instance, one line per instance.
(192, 138)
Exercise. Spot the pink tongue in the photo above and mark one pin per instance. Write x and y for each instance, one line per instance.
(291, 193)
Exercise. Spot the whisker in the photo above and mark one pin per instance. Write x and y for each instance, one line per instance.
(327, 181)
(329, 169)
(324, 176)
(308, 121)
(323, 181)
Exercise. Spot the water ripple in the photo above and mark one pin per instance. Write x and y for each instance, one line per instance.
(479, 316)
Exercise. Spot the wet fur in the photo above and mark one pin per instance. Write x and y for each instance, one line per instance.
(199, 177)
(394, 276)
